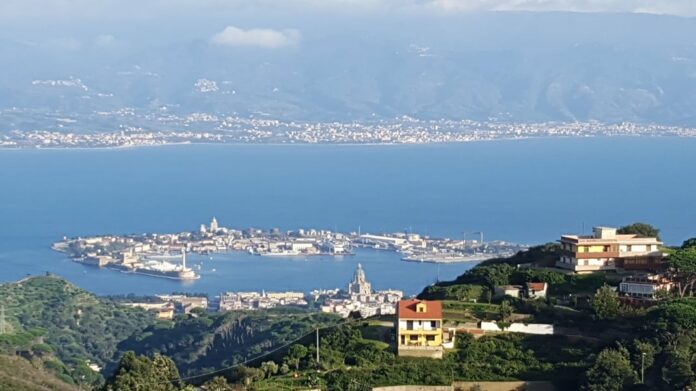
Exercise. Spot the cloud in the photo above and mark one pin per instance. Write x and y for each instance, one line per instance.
(104, 40)
(266, 38)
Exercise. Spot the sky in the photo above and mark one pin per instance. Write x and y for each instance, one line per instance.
(106, 9)
(77, 24)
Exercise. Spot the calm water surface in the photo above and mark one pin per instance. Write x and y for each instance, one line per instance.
(527, 191)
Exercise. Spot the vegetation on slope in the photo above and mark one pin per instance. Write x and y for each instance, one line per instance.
(76, 325)
(202, 341)
(18, 374)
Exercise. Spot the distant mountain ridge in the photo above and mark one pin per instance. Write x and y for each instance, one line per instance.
(513, 67)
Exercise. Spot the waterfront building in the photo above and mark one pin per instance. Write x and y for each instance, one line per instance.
(359, 286)
(607, 250)
(419, 328)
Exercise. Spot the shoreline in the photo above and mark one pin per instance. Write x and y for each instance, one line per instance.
(338, 144)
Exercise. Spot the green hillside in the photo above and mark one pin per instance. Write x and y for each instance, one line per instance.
(18, 374)
(209, 340)
(74, 324)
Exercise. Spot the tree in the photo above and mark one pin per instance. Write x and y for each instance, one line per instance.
(284, 369)
(505, 311)
(270, 368)
(139, 373)
(295, 355)
(677, 370)
(683, 265)
(488, 295)
(642, 355)
(611, 371)
(640, 229)
(605, 303)
(689, 243)
(248, 375)
(218, 383)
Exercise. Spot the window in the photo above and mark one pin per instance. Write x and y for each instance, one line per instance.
(409, 325)
(433, 324)
(430, 338)
(413, 338)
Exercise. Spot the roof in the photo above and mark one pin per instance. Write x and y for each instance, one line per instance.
(620, 239)
(407, 309)
(536, 286)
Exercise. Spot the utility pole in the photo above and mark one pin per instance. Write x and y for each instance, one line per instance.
(642, 368)
(317, 346)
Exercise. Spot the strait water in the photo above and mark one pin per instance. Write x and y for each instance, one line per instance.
(528, 191)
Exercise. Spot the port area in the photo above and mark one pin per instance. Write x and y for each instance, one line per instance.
(164, 254)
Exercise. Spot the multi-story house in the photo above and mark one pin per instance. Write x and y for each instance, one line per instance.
(607, 250)
(419, 328)
(646, 286)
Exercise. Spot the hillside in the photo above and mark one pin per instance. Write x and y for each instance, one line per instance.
(211, 340)
(74, 324)
(18, 374)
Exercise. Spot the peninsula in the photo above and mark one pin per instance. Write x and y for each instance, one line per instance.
(164, 255)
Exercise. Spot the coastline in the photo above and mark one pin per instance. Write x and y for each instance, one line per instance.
(337, 144)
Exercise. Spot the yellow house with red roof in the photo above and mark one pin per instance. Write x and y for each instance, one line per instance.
(419, 328)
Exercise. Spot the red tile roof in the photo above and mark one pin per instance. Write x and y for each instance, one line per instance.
(536, 286)
(407, 309)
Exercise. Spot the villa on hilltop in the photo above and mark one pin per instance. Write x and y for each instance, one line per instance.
(607, 250)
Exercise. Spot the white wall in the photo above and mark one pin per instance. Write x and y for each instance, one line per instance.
(531, 328)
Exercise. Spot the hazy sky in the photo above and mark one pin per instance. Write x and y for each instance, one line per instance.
(134, 9)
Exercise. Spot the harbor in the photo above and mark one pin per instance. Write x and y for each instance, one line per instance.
(164, 255)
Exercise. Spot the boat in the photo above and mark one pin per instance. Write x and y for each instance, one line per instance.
(447, 258)
(286, 253)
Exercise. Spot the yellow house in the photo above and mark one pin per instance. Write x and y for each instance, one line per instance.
(419, 328)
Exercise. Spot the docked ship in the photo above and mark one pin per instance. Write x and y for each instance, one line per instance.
(448, 258)
(161, 268)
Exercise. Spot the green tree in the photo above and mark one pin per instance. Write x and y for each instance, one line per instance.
(140, 373)
(284, 369)
(640, 229)
(247, 375)
(642, 355)
(611, 371)
(677, 371)
(683, 265)
(270, 368)
(689, 243)
(605, 303)
(218, 383)
(505, 311)
(295, 355)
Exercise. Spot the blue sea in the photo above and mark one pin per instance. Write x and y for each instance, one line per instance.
(528, 191)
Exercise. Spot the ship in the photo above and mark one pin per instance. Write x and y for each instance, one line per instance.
(285, 253)
(448, 258)
(159, 268)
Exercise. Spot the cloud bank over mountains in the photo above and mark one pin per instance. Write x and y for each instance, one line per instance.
(266, 38)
